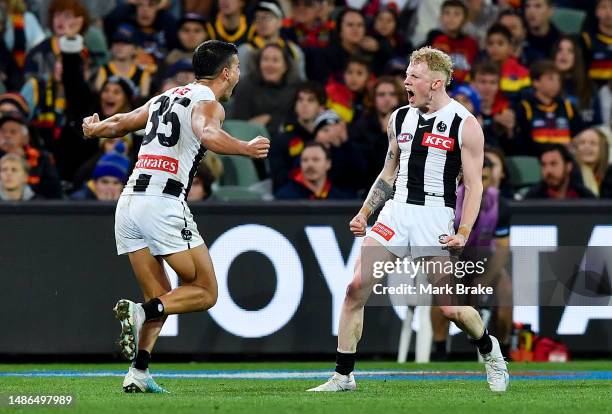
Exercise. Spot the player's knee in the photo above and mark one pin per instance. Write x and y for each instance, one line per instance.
(451, 312)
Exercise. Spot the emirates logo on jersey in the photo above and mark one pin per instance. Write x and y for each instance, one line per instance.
(157, 162)
(384, 231)
(438, 141)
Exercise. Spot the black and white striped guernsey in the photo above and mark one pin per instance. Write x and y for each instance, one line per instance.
(430, 154)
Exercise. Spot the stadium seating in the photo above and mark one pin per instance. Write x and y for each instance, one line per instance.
(568, 20)
(244, 130)
(238, 171)
(523, 171)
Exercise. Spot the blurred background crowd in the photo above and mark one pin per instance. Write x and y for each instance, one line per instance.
(319, 77)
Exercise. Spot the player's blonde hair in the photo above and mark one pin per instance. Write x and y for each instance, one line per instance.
(436, 60)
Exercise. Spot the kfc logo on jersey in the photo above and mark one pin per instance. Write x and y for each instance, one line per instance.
(157, 162)
(383, 231)
(438, 141)
(404, 137)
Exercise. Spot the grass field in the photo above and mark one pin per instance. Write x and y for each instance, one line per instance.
(383, 387)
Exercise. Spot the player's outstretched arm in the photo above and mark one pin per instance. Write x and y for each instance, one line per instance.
(382, 189)
(472, 154)
(117, 125)
(206, 120)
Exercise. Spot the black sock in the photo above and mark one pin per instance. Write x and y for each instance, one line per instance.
(345, 363)
(440, 347)
(484, 344)
(153, 309)
(505, 349)
(142, 360)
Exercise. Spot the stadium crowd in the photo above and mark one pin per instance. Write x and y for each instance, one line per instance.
(321, 77)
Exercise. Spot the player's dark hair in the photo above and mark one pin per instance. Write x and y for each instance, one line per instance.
(311, 144)
(486, 67)
(211, 57)
(560, 148)
(542, 67)
(455, 3)
(314, 88)
(500, 29)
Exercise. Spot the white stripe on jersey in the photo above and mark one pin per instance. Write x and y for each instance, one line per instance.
(430, 154)
(170, 150)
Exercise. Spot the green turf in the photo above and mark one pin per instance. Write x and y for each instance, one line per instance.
(103, 395)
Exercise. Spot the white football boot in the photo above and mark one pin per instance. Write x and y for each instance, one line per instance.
(337, 383)
(497, 369)
(141, 381)
(132, 317)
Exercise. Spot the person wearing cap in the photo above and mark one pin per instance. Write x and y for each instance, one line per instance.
(348, 161)
(14, 179)
(15, 139)
(311, 182)
(468, 97)
(192, 31)
(287, 146)
(14, 102)
(124, 47)
(267, 25)
(107, 180)
(231, 24)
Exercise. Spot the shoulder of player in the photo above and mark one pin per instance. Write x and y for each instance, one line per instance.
(471, 129)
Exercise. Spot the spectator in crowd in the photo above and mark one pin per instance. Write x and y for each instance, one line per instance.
(116, 97)
(267, 25)
(450, 39)
(468, 97)
(346, 98)
(515, 23)
(575, 83)
(14, 102)
(311, 181)
(488, 242)
(369, 132)
(107, 180)
(305, 25)
(22, 31)
(349, 38)
(209, 171)
(266, 97)
(14, 179)
(496, 115)
(124, 46)
(348, 161)
(204, 8)
(514, 77)
(597, 43)
(543, 116)
(499, 171)
(41, 61)
(541, 31)
(231, 24)
(191, 32)
(386, 32)
(15, 139)
(286, 148)
(591, 151)
(481, 14)
(558, 182)
(179, 73)
(156, 30)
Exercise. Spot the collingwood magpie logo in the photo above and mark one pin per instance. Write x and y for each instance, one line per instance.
(186, 234)
(441, 127)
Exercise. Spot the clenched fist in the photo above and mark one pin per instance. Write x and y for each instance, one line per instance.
(89, 125)
(358, 225)
(258, 147)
